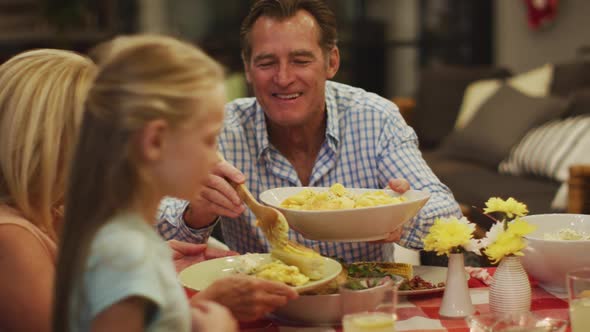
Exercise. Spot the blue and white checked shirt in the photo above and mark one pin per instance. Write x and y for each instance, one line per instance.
(367, 144)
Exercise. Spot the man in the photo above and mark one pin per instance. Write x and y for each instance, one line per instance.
(303, 130)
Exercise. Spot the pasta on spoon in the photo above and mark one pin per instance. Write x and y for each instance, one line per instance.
(275, 228)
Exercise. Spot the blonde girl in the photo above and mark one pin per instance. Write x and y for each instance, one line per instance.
(41, 101)
(150, 127)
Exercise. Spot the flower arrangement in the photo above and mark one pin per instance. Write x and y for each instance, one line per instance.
(451, 235)
(505, 237)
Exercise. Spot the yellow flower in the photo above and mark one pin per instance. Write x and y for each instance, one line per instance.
(510, 207)
(449, 235)
(510, 241)
(506, 244)
(520, 227)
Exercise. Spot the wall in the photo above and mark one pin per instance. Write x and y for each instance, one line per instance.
(401, 17)
(521, 48)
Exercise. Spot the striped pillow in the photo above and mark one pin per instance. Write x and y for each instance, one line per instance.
(545, 151)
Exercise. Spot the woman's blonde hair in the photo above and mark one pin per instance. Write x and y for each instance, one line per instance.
(140, 79)
(41, 101)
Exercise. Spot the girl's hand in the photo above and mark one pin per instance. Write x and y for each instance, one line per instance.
(187, 254)
(211, 317)
(248, 298)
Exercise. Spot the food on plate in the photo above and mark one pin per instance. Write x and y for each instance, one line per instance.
(337, 198)
(364, 275)
(275, 271)
(364, 283)
(281, 272)
(567, 234)
(332, 286)
(380, 269)
(417, 283)
(308, 261)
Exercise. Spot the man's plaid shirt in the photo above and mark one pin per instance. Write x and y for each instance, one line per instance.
(367, 144)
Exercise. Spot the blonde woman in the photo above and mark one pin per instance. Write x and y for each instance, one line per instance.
(149, 130)
(41, 98)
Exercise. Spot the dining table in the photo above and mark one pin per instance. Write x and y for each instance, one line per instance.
(419, 313)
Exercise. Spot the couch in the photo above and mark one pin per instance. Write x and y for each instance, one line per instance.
(486, 132)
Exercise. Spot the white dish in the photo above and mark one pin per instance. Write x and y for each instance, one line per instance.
(548, 261)
(347, 225)
(432, 274)
(324, 310)
(199, 276)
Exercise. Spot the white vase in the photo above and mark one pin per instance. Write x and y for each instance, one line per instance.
(456, 302)
(511, 290)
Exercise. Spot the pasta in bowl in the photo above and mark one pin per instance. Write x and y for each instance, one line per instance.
(344, 214)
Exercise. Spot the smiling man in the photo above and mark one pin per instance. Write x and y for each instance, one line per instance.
(302, 129)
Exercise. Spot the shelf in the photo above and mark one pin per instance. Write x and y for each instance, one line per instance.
(53, 36)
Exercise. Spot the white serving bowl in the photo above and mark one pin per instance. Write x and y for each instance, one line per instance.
(347, 225)
(327, 310)
(312, 310)
(548, 261)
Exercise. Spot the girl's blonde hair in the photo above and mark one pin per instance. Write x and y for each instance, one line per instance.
(140, 79)
(41, 101)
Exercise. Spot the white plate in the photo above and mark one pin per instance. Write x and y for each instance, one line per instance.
(432, 274)
(347, 225)
(199, 276)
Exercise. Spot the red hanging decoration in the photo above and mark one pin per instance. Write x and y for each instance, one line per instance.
(541, 12)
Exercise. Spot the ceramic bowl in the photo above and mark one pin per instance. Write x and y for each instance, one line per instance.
(328, 310)
(548, 261)
(348, 225)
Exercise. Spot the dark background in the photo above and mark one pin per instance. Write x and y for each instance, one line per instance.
(460, 33)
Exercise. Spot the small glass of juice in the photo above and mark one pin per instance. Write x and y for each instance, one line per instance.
(578, 289)
(369, 305)
(369, 322)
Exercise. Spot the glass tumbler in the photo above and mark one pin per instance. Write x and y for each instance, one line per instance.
(369, 310)
(516, 322)
(578, 290)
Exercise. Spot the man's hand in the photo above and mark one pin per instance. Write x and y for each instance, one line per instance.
(394, 236)
(248, 298)
(399, 186)
(218, 198)
(187, 254)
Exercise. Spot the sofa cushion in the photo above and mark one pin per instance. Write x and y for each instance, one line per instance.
(549, 150)
(533, 83)
(499, 124)
(439, 97)
(570, 77)
(581, 102)
(475, 95)
(473, 184)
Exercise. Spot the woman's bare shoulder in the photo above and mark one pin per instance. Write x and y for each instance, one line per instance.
(18, 242)
(27, 279)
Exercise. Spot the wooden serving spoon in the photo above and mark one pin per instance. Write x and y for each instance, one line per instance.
(276, 229)
(272, 222)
